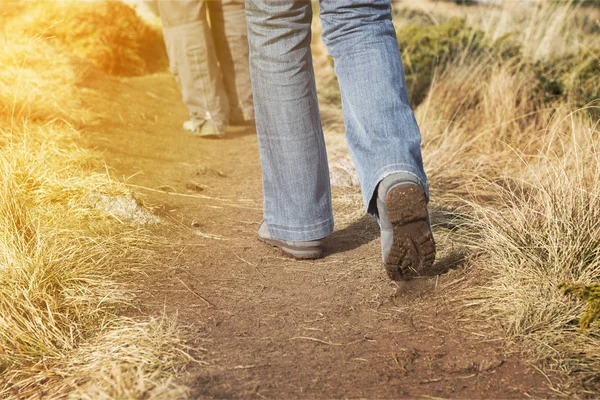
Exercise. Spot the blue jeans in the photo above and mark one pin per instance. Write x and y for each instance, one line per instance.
(381, 130)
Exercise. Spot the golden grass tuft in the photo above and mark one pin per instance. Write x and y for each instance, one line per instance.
(128, 360)
(61, 256)
(58, 263)
(26, 80)
(535, 239)
(545, 30)
(511, 131)
(107, 34)
(518, 165)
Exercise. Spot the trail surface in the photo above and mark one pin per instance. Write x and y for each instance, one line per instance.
(267, 326)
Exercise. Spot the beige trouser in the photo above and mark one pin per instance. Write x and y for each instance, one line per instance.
(208, 55)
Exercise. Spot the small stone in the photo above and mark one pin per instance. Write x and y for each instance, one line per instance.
(123, 206)
(342, 172)
(196, 187)
(167, 188)
(196, 224)
(208, 171)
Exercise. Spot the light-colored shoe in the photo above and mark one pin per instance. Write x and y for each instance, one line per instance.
(407, 244)
(206, 127)
(297, 249)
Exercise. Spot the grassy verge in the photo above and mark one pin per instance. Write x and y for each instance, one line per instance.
(62, 256)
(508, 105)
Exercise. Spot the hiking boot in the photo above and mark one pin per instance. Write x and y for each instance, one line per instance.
(205, 127)
(407, 244)
(297, 249)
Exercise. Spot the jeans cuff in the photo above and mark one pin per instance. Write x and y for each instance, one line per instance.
(302, 234)
(370, 190)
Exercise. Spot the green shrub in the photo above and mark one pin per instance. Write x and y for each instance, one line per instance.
(549, 84)
(465, 2)
(426, 49)
(590, 294)
(586, 86)
(461, 2)
(585, 3)
(575, 79)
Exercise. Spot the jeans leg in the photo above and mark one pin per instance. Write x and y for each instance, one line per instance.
(228, 26)
(381, 129)
(297, 196)
(193, 59)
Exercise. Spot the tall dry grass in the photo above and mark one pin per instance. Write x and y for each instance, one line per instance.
(512, 146)
(27, 81)
(544, 30)
(62, 257)
(509, 106)
(108, 35)
(539, 234)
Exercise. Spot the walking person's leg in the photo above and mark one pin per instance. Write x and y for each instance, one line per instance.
(193, 61)
(382, 132)
(228, 25)
(297, 197)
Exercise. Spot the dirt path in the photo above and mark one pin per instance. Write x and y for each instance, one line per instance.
(272, 327)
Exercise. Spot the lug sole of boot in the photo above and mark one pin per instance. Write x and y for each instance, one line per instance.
(413, 248)
(304, 253)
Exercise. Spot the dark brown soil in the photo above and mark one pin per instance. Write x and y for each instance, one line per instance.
(267, 326)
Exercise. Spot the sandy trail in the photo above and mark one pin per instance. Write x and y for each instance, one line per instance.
(265, 325)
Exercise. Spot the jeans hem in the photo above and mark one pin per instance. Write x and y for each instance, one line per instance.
(369, 191)
(302, 234)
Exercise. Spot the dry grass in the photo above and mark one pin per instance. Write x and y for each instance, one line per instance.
(544, 30)
(61, 256)
(511, 150)
(520, 171)
(109, 35)
(534, 239)
(524, 169)
(26, 81)
(128, 360)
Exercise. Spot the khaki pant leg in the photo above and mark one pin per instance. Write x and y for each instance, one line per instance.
(228, 24)
(193, 59)
(152, 5)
